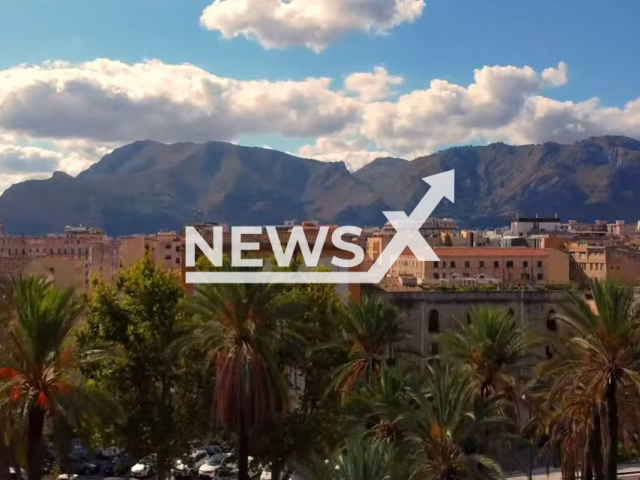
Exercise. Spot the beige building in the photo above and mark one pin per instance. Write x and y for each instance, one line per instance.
(166, 248)
(597, 261)
(482, 265)
(70, 259)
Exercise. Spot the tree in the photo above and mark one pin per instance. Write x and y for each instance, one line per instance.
(370, 330)
(359, 459)
(313, 419)
(237, 327)
(141, 318)
(446, 424)
(600, 356)
(40, 363)
(447, 241)
(488, 345)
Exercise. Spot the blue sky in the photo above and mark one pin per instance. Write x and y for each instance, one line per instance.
(446, 41)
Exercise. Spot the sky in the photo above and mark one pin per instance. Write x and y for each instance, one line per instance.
(335, 80)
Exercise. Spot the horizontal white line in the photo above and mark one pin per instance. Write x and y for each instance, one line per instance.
(279, 277)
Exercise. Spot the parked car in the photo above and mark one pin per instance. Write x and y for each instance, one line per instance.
(77, 449)
(211, 465)
(82, 467)
(226, 473)
(67, 476)
(189, 465)
(108, 452)
(144, 468)
(213, 449)
(266, 473)
(120, 465)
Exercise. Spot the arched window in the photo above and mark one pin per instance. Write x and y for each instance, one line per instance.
(435, 349)
(552, 324)
(434, 321)
(548, 351)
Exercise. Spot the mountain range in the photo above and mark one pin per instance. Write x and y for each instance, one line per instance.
(149, 186)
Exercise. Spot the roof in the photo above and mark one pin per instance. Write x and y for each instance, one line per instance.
(448, 252)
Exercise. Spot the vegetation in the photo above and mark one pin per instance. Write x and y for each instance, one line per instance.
(297, 378)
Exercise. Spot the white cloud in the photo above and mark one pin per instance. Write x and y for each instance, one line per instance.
(348, 147)
(110, 101)
(447, 113)
(371, 86)
(310, 23)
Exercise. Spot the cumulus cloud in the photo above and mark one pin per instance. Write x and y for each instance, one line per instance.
(310, 23)
(349, 147)
(371, 86)
(110, 101)
(447, 113)
(15, 159)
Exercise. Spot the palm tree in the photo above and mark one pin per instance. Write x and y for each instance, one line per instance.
(446, 424)
(370, 330)
(384, 404)
(39, 361)
(359, 459)
(600, 356)
(239, 331)
(487, 346)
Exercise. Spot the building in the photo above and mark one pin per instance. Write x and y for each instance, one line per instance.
(595, 261)
(481, 265)
(526, 225)
(70, 259)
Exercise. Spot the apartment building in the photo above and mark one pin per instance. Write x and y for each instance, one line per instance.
(598, 261)
(165, 248)
(70, 259)
(482, 265)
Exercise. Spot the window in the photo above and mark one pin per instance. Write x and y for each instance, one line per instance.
(435, 264)
(468, 318)
(435, 275)
(548, 351)
(178, 260)
(467, 264)
(434, 321)
(167, 257)
(540, 276)
(552, 324)
(525, 264)
(435, 348)
(465, 275)
(496, 264)
(525, 276)
(481, 263)
(444, 264)
(453, 264)
(167, 246)
(539, 263)
(509, 264)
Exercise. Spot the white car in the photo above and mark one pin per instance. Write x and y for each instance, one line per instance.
(210, 466)
(266, 473)
(226, 473)
(144, 467)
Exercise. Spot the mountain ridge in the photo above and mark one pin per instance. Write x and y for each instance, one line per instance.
(148, 186)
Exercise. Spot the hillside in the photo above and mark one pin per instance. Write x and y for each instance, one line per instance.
(147, 186)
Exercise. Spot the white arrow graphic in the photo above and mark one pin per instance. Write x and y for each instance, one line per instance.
(407, 228)
(407, 236)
